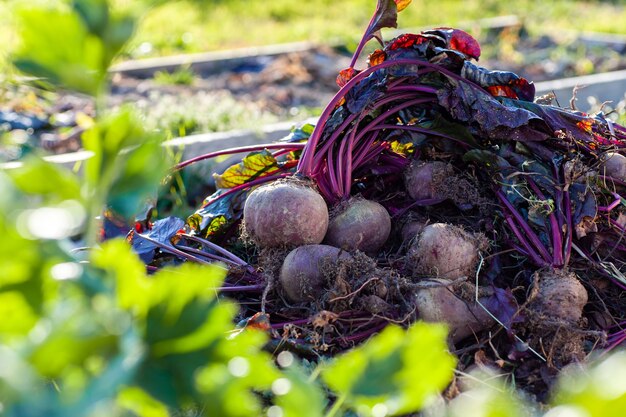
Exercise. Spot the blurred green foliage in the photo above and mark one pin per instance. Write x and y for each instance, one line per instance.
(70, 44)
(90, 333)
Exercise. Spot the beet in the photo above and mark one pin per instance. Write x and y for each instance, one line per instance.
(359, 225)
(442, 305)
(615, 166)
(446, 251)
(560, 296)
(285, 214)
(303, 273)
(411, 229)
(424, 179)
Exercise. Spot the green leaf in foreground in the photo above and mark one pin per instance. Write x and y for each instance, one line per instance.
(396, 372)
(597, 391)
(296, 388)
(489, 396)
(71, 45)
(128, 163)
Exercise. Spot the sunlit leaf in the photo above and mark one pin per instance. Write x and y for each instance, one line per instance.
(71, 46)
(397, 370)
(238, 367)
(385, 16)
(140, 403)
(253, 165)
(376, 58)
(17, 316)
(93, 13)
(402, 4)
(345, 75)
(45, 179)
(128, 162)
(402, 148)
(599, 391)
(459, 40)
(299, 134)
(55, 45)
(301, 391)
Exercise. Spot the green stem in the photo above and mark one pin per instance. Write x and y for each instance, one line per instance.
(337, 406)
(97, 192)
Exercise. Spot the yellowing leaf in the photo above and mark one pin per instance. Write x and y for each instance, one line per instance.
(402, 4)
(216, 225)
(402, 148)
(254, 165)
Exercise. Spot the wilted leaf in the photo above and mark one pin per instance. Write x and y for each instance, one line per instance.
(253, 165)
(385, 16)
(555, 118)
(503, 305)
(468, 104)
(162, 231)
(458, 40)
(402, 148)
(402, 4)
(404, 41)
(585, 209)
(396, 369)
(376, 58)
(366, 92)
(346, 75)
(216, 215)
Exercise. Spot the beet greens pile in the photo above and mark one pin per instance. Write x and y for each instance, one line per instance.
(430, 188)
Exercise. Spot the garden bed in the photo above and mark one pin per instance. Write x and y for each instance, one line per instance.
(251, 88)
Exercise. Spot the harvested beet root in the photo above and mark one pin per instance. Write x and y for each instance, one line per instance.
(359, 225)
(441, 304)
(560, 296)
(302, 276)
(615, 165)
(446, 251)
(285, 214)
(411, 229)
(423, 180)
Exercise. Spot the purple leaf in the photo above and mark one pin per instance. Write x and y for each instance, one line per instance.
(503, 305)
(468, 103)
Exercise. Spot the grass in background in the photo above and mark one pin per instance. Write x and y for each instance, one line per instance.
(204, 25)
